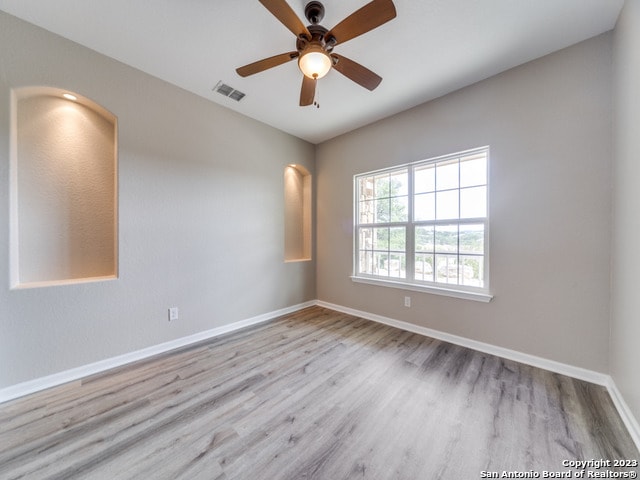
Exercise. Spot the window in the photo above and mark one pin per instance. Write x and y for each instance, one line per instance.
(425, 224)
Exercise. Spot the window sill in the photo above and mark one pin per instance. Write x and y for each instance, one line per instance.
(447, 292)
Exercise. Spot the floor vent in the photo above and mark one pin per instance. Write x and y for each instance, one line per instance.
(228, 91)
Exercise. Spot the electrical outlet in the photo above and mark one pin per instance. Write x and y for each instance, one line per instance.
(173, 313)
(407, 301)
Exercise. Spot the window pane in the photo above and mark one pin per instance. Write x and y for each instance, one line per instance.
(397, 265)
(446, 239)
(424, 207)
(382, 211)
(447, 205)
(447, 175)
(366, 239)
(399, 209)
(382, 185)
(447, 268)
(381, 239)
(366, 211)
(423, 269)
(472, 238)
(424, 239)
(473, 170)
(397, 240)
(366, 263)
(473, 202)
(381, 264)
(365, 187)
(472, 271)
(424, 179)
(398, 183)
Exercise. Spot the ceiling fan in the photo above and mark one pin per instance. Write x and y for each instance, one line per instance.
(314, 44)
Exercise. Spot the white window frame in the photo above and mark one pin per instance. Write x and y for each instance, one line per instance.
(481, 294)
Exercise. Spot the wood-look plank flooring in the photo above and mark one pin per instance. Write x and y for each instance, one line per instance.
(312, 395)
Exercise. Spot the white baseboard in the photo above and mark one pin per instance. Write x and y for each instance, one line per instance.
(627, 416)
(21, 389)
(562, 368)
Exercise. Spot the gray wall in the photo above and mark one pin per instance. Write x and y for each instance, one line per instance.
(201, 216)
(625, 320)
(548, 124)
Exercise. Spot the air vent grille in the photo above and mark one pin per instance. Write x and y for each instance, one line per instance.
(228, 91)
(236, 95)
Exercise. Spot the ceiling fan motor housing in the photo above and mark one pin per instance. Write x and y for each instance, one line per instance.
(318, 33)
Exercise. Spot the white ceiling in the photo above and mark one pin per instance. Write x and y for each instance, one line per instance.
(431, 48)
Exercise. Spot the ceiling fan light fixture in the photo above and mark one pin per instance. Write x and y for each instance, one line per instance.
(314, 62)
(314, 44)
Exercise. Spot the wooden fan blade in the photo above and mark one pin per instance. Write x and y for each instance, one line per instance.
(308, 91)
(283, 12)
(361, 21)
(356, 72)
(266, 63)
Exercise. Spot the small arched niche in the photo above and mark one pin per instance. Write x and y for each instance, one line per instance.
(63, 188)
(297, 204)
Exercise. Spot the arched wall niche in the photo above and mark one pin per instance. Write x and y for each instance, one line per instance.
(63, 189)
(297, 195)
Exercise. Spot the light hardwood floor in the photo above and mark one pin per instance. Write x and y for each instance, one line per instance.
(312, 395)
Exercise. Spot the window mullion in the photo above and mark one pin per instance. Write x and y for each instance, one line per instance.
(458, 259)
(410, 230)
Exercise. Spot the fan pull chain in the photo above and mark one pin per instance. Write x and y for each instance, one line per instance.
(316, 96)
